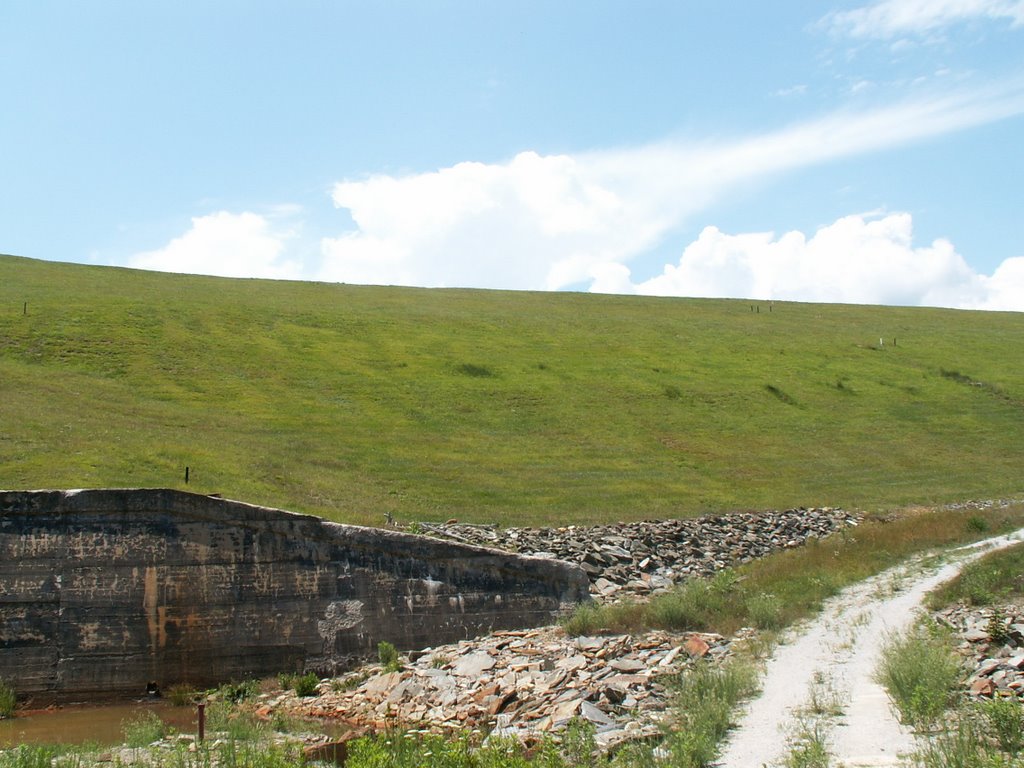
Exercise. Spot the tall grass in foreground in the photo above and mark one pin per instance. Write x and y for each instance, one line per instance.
(703, 708)
(921, 673)
(777, 590)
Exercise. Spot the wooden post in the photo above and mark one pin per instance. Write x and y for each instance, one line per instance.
(186, 475)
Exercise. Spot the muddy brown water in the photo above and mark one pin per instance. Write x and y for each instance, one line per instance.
(99, 724)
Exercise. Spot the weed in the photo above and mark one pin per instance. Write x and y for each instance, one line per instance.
(439, 660)
(808, 746)
(673, 392)
(143, 729)
(765, 611)
(824, 699)
(8, 699)
(183, 695)
(704, 702)
(962, 746)
(578, 743)
(223, 717)
(920, 672)
(998, 627)
(1006, 722)
(25, 756)
(237, 692)
(776, 590)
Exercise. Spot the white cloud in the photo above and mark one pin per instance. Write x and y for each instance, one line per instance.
(890, 18)
(857, 259)
(224, 244)
(534, 222)
(1004, 290)
(559, 221)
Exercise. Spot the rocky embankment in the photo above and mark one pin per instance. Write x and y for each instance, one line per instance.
(524, 683)
(638, 559)
(991, 642)
(531, 682)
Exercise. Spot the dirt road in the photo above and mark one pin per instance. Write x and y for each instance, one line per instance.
(832, 660)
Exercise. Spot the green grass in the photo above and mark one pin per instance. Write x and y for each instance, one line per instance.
(490, 406)
(777, 590)
(996, 576)
(921, 673)
(703, 707)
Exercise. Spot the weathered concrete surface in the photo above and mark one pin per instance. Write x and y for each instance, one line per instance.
(104, 591)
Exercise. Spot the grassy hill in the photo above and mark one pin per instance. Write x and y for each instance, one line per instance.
(351, 401)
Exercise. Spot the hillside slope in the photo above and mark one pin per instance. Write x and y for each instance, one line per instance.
(351, 401)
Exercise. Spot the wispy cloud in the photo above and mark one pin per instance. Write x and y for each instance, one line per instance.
(892, 18)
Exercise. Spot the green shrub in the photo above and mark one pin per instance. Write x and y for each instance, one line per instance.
(183, 695)
(977, 524)
(1005, 722)
(239, 692)
(997, 627)
(388, 656)
(8, 699)
(921, 673)
(306, 685)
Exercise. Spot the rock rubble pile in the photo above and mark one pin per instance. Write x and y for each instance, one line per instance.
(992, 646)
(638, 559)
(516, 683)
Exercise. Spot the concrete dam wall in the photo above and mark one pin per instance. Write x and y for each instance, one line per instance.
(105, 591)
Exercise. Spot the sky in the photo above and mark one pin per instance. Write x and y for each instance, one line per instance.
(847, 151)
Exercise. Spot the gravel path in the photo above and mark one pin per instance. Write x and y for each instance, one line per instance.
(834, 657)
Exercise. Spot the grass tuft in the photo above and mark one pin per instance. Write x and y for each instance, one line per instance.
(921, 673)
(704, 704)
(8, 699)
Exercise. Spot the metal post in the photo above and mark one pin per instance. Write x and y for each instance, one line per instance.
(202, 720)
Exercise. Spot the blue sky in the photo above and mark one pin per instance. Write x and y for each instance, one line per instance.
(868, 152)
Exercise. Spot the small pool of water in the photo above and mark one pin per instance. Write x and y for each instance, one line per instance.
(98, 724)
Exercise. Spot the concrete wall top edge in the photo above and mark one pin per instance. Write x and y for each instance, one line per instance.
(216, 509)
